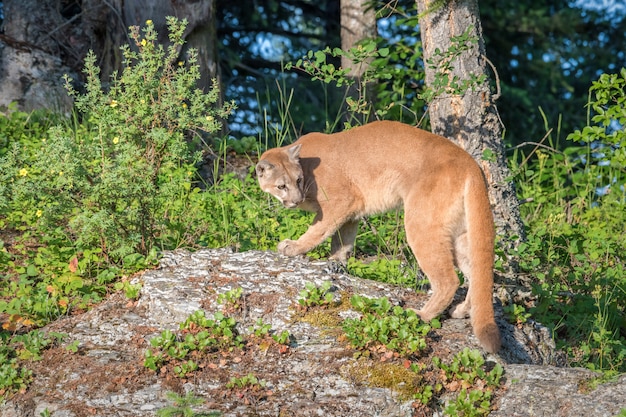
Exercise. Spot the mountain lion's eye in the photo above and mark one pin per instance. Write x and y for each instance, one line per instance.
(281, 187)
(299, 180)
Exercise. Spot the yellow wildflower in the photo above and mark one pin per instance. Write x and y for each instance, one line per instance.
(116, 140)
(38, 213)
(184, 105)
(60, 173)
(144, 42)
(113, 103)
(149, 22)
(23, 172)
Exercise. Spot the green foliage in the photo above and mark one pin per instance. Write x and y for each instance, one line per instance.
(469, 366)
(383, 325)
(386, 69)
(131, 291)
(392, 271)
(473, 403)
(183, 406)
(17, 350)
(313, 296)
(109, 180)
(248, 387)
(575, 213)
(425, 395)
(606, 133)
(198, 334)
(95, 196)
(231, 299)
(260, 328)
(516, 313)
(13, 377)
(467, 370)
(282, 338)
(442, 62)
(225, 213)
(317, 64)
(26, 128)
(246, 382)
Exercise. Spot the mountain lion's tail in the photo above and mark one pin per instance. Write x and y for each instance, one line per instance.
(480, 229)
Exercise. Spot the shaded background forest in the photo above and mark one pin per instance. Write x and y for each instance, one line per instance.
(546, 52)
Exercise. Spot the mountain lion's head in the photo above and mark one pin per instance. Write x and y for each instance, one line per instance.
(280, 174)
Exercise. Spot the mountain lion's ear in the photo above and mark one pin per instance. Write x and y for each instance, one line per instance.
(263, 166)
(294, 152)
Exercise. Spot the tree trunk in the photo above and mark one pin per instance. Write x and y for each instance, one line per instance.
(471, 119)
(44, 39)
(358, 22)
(36, 49)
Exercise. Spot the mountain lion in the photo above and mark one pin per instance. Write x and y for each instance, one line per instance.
(380, 166)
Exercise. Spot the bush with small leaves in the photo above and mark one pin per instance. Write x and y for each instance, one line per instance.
(313, 296)
(382, 324)
(198, 334)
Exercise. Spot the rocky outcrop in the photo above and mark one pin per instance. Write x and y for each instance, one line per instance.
(106, 376)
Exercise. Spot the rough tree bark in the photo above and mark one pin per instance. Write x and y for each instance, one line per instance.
(471, 119)
(32, 58)
(43, 39)
(358, 22)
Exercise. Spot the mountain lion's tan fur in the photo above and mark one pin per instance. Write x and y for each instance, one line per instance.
(383, 165)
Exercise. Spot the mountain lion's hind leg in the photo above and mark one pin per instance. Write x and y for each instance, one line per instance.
(433, 252)
(462, 261)
(342, 243)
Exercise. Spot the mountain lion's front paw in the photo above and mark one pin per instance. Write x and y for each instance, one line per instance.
(424, 315)
(288, 248)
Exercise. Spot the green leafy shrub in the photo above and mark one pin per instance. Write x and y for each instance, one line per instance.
(248, 381)
(184, 406)
(231, 299)
(260, 328)
(383, 325)
(575, 214)
(248, 387)
(115, 179)
(198, 334)
(467, 374)
(392, 271)
(314, 296)
(468, 366)
(18, 350)
(472, 403)
(90, 198)
(13, 377)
